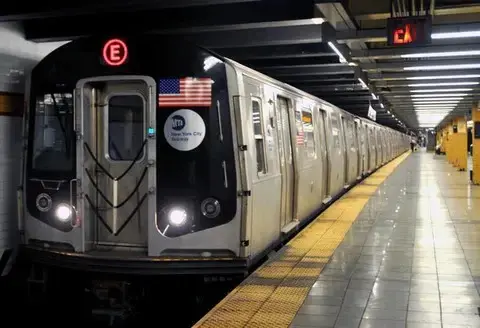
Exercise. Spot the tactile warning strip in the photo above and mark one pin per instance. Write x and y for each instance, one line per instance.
(271, 296)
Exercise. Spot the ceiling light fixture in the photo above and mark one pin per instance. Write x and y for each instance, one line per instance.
(443, 54)
(446, 77)
(455, 35)
(364, 85)
(339, 54)
(441, 95)
(440, 67)
(443, 90)
(442, 84)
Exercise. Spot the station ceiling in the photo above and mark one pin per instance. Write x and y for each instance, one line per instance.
(336, 50)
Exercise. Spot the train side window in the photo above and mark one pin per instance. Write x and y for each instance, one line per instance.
(126, 127)
(307, 122)
(257, 120)
(335, 131)
(352, 134)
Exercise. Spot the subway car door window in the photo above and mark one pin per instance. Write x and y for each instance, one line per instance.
(257, 120)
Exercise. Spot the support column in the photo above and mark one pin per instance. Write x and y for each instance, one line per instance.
(448, 142)
(476, 144)
(443, 139)
(461, 149)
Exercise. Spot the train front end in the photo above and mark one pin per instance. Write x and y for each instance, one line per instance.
(129, 161)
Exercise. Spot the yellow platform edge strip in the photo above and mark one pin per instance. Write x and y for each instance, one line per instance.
(272, 295)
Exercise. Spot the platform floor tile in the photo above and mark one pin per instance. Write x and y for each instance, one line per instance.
(411, 258)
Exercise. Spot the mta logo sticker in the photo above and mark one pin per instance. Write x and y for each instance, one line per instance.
(178, 122)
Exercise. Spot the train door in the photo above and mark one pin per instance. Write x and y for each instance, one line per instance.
(358, 146)
(372, 148)
(346, 152)
(286, 160)
(324, 155)
(115, 120)
(378, 141)
(337, 169)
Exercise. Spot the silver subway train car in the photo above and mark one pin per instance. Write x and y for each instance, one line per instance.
(145, 155)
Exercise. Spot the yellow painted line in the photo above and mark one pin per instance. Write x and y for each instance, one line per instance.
(271, 296)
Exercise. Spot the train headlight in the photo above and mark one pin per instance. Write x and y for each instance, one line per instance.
(43, 202)
(210, 208)
(177, 216)
(63, 212)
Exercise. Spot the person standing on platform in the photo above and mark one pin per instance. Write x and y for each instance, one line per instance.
(412, 144)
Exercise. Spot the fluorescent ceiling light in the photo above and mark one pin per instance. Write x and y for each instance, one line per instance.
(364, 85)
(456, 35)
(442, 84)
(381, 105)
(441, 95)
(443, 54)
(439, 99)
(445, 77)
(435, 103)
(431, 115)
(435, 106)
(318, 20)
(443, 90)
(374, 96)
(339, 54)
(440, 67)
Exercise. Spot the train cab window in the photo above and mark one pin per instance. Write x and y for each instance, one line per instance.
(126, 127)
(257, 120)
(53, 141)
(308, 133)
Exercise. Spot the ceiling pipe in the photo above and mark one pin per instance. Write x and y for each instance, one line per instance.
(413, 12)
(421, 7)
(432, 7)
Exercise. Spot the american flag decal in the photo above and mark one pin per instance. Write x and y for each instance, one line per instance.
(300, 138)
(185, 92)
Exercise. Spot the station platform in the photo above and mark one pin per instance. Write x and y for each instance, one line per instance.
(401, 249)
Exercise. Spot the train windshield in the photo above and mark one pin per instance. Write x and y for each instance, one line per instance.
(53, 142)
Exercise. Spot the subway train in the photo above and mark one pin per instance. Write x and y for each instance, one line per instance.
(148, 155)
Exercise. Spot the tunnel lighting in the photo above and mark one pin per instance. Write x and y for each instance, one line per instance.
(381, 105)
(440, 67)
(374, 96)
(339, 54)
(453, 84)
(364, 85)
(443, 54)
(445, 77)
(456, 35)
(442, 90)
